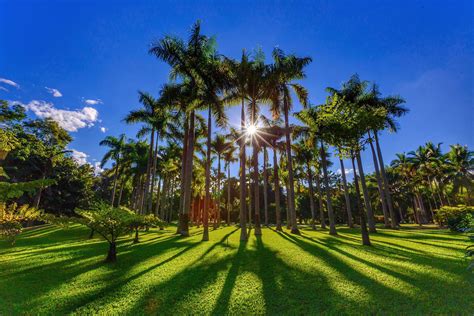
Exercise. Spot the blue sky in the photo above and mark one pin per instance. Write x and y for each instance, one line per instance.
(97, 51)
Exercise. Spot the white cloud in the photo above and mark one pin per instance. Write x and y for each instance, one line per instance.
(55, 92)
(71, 121)
(79, 157)
(103, 129)
(3, 88)
(10, 82)
(97, 168)
(93, 101)
(347, 171)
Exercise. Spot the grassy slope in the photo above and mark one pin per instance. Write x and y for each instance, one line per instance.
(405, 272)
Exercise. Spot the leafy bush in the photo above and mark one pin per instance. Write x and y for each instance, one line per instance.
(458, 218)
(12, 217)
(61, 221)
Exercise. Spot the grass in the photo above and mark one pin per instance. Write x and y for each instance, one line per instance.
(410, 271)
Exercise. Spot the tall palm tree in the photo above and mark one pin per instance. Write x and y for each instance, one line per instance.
(220, 146)
(286, 69)
(229, 157)
(393, 106)
(115, 152)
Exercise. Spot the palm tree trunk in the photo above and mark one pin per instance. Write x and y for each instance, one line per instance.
(363, 223)
(265, 184)
(158, 197)
(320, 201)
(218, 207)
(291, 188)
(277, 190)
(115, 183)
(184, 218)
(120, 193)
(243, 184)
(350, 221)
(153, 175)
(256, 188)
(184, 157)
(365, 193)
(332, 221)
(163, 197)
(311, 196)
(148, 170)
(207, 199)
(228, 194)
(380, 187)
(386, 185)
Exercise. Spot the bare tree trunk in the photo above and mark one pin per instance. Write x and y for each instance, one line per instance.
(363, 223)
(380, 187)
(205, 234)
(184, 217)
(243, 185)
(386, 185)
(277, 190)
(163, 197)
(332, 221)
(365, 193)
(350, 221)
(311, 196)
(265, 184)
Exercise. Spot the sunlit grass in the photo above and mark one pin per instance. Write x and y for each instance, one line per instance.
(411, 271)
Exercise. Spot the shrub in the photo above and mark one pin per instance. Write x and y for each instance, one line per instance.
(61, 221)
(458, 218)
(110, 223)
(12, 217)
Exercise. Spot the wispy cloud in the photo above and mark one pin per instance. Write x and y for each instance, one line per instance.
(93, 101)
(103, 129)
(3, 88)
(55, 92)
(10, 82)
(71, 121)
(347, 171)
(79, 157)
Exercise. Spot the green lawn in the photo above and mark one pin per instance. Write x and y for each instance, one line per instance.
(411, 271)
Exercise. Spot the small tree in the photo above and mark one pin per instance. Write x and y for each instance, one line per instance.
(12, 217)
(110, 223)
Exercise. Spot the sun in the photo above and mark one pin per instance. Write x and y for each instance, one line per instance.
(251, 130)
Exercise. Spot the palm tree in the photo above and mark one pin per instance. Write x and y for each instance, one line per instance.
(238, 76)
(393, 109)
(198, 66)
(229, 157)
(220, 146)
(461, 161)
(115, 152)
(304, 154)
(350, 221)
(287, 69)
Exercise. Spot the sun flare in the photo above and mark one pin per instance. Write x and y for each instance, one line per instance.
(251, 130)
